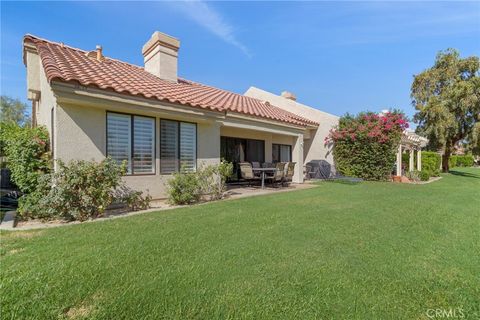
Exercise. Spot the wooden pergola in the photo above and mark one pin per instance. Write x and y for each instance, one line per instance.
(412, 142)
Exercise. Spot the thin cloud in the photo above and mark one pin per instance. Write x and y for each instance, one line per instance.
(209, 18)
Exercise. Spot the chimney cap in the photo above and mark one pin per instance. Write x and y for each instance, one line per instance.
(289, 95)
(161, 39)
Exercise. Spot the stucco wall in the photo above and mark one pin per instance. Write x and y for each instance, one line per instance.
(37, 81)
(81, 135)
(314, 148)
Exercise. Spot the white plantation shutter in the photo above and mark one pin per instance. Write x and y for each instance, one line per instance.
(178, 146)
(143, 145)
(168, 146)
(119, 138)
(188, 146)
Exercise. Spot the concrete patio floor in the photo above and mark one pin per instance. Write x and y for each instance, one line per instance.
(241, 191)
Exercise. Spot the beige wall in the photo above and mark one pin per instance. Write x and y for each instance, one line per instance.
(37, 81)
(81, 135)
(314, 148)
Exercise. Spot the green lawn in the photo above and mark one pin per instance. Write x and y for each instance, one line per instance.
(337, 251)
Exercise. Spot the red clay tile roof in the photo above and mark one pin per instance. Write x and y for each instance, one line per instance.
(65, 63)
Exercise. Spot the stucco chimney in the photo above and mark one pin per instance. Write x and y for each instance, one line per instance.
(289, 95)
(98, 49)
(160, 55)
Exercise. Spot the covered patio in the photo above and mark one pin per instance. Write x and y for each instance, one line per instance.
(411, 143)
(263, 146)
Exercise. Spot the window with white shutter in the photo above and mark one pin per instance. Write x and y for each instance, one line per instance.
(178, 146)
(132, 138)
(119, 138)
(168, 146)
(188, 146)
(143, 145)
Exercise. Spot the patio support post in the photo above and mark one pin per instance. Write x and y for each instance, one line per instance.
(419, 159)
(399, 160)
(411, 161)
(297, 157)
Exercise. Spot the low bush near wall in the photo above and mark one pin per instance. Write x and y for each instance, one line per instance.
(78, 190)
(184, 188)
(461, 161)
(365, 145)
(431, 163)
(208, 181)
(213, 179)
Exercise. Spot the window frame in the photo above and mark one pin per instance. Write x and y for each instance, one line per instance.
(132, 150)
(178, 144)
(280, 152)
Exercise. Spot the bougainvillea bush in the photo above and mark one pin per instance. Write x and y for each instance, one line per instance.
(365, 145)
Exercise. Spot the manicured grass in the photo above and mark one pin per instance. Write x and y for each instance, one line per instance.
(338, 251)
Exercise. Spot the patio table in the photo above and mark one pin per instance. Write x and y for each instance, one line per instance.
(263, 171)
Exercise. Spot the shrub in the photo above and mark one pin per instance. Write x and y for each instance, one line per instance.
(424, 175)
(452, 161)
(413, 175)
(210, 180)
(26, 152)
(462, 161)
(213, 179)
(78, 190)
(365, 145)
(184, 188)
(133, 199)
(406, 158)
(431, 163)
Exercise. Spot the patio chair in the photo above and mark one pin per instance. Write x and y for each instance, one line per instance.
(246, 173)
(289, 171)
(267, 165)
(256, 164)
(279, 174)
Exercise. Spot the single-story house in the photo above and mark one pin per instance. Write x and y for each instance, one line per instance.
(314, 149)
(94, 106)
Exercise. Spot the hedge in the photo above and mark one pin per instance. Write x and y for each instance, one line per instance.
(461, 161)
(431, 163)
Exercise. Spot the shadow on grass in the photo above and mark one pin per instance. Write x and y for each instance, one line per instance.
(464, 174)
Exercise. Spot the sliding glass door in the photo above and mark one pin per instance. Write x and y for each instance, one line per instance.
(238, 150)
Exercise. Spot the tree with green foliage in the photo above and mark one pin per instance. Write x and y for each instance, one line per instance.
(26, 150)
(14, 110)
(447, 99)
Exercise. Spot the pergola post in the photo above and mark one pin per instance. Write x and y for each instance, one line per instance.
(399, 160)
(411, 162)
(419, 159)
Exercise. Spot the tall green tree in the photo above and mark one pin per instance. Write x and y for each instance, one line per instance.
(14, 110)
(447, 99)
